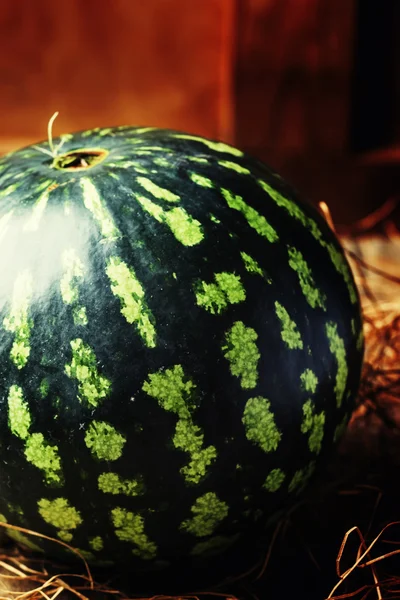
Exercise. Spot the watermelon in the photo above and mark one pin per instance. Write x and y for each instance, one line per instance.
(181, 346)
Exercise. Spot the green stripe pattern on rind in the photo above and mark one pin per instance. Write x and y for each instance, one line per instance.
(99, 210)
(337, 347)
(157, 191)
(253, 218)
(312, 294)
(18, 321)
(289, 331)
(126, 286)
(209, 144)
(124, 282)
(295, 211)
(174, 392)
(186, 229)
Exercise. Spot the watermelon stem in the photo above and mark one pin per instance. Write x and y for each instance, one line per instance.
(53, 151)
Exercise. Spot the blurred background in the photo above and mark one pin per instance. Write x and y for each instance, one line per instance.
(309, 86)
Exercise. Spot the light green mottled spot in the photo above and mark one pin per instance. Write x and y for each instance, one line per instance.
(129, 527)
(336, 346)
(232, 287)
(289, 332)
(18, 321)
(161, 162)
(311, 293)
(215, 146)
(33, 222)
(309, 381)
(301, 478)
(79, 315)
(314, 425)
(211, 297)
(214, 545)
(201, 180)
(126, 286)
(251, 265)
(99, 210)
(105, 131)
(112, 483)
(140, 131)
(44, 387)
(171, 390)
(189, 438)
(208, 512)
(96, 543)
(59, 513)
(104, 441)
(197, 159)
(291, 207)
(242, 353)
(157, 191)
(65, 536)
(214, 219)
(9, 190)
(234, 167)
(22, 539)
(259, 423)
(254, 219)
(74, 271)
(92, 387)
(186, 229)
(274, 480)
(174, 393)
(153, 209)
(19, 418)
(215, 297)
(45, 457)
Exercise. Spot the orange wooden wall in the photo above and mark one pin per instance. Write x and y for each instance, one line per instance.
(272, 76)
(106, 62)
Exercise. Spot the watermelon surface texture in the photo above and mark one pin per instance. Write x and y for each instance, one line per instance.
(181, 345)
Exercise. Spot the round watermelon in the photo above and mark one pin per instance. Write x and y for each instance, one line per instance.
(181, 344)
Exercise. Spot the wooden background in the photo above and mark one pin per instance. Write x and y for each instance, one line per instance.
(272, 76)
